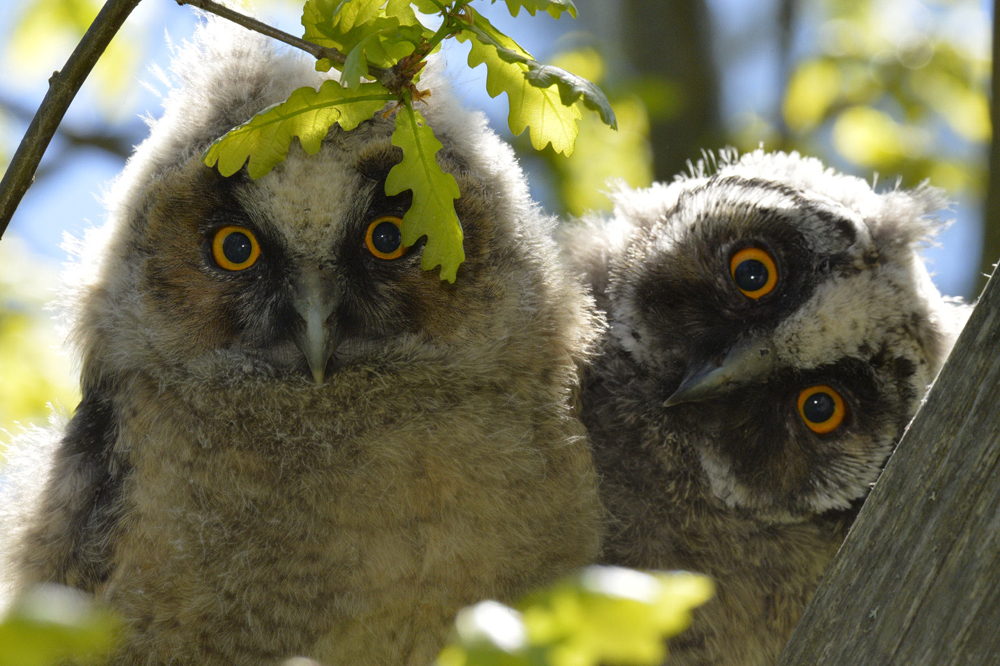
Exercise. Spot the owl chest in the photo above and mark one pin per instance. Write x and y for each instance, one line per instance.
(341, 548)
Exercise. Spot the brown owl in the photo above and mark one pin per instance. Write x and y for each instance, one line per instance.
(772, 331)
(293, 440)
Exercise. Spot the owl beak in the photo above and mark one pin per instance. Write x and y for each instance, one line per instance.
(317, 299)
(747, 361)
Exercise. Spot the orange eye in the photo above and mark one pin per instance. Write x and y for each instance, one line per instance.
(235, 248)
(754, 272)
(821, 408)
(384, 238)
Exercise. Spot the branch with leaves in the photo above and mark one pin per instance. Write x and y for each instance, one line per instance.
(380, 47)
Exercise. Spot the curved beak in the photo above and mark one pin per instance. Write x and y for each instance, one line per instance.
(748, 360)
(317, 298)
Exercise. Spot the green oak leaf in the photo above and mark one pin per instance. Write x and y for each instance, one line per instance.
(356, 65)
(425, 6)
(385, 36)
(307, 113)
(432, 212)
(554, 7)
(572, 88)
(383, 47)
(540, 109)
(350, 13)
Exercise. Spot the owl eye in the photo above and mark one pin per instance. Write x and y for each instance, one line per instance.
(754, 272)
(384, 238)
(821, 408)
(235, 248)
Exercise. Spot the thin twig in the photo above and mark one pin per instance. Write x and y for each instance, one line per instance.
(385, 76)
(63, 86)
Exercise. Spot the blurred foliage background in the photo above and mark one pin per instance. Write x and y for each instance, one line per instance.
(897, 88)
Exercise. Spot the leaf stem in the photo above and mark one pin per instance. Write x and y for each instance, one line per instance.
(63, 86)
(447, 28)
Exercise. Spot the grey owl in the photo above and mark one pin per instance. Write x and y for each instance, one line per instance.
(292, 440)
(772, 331)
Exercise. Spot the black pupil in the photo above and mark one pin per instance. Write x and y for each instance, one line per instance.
(818, 408)
(386, 237)
(751, 275)
(237, 247)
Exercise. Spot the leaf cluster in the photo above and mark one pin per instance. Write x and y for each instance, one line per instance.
(379, 47)
(884, 101)
(598, 616)
(32, 375)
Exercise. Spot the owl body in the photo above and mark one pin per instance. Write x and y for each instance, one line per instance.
(664, 515)
(772, 330)
(293, 440)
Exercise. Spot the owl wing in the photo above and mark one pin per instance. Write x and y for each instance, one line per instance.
(67, 519)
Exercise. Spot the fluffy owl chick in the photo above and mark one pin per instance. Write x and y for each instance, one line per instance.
(772, 331)
(232, 508)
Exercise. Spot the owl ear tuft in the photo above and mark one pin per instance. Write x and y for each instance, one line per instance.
(910, 217)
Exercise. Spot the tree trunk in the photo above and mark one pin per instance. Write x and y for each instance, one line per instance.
(672, 40)
(991, 215)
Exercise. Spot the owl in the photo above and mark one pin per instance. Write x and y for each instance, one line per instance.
(292, 440)
(772, 330)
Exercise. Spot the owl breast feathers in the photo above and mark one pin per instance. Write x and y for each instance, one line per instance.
(772, 331)
(293, 440)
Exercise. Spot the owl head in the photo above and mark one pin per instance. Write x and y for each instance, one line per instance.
(302, 273)
(784, 318)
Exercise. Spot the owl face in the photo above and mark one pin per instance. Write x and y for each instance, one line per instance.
(789, 335)
(302, 272)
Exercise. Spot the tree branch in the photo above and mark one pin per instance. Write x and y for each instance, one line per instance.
(63, 86)
(385, 76)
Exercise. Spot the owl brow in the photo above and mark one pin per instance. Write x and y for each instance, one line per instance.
(375, 167)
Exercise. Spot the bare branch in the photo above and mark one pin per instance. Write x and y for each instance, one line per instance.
(63, 86)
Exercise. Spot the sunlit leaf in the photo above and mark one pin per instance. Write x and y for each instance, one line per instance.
(554, 7)
(964, 108)
(603, 154)
(432, 212)
(51, 624)
(603, 615)
(953, 175)
(307, 113)
(33, 372)
(350, 13)
(869, 137)
(385, 35)
(541, 109)
(572, 88)
(585, 62)
(47, 31)
(812, 90)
